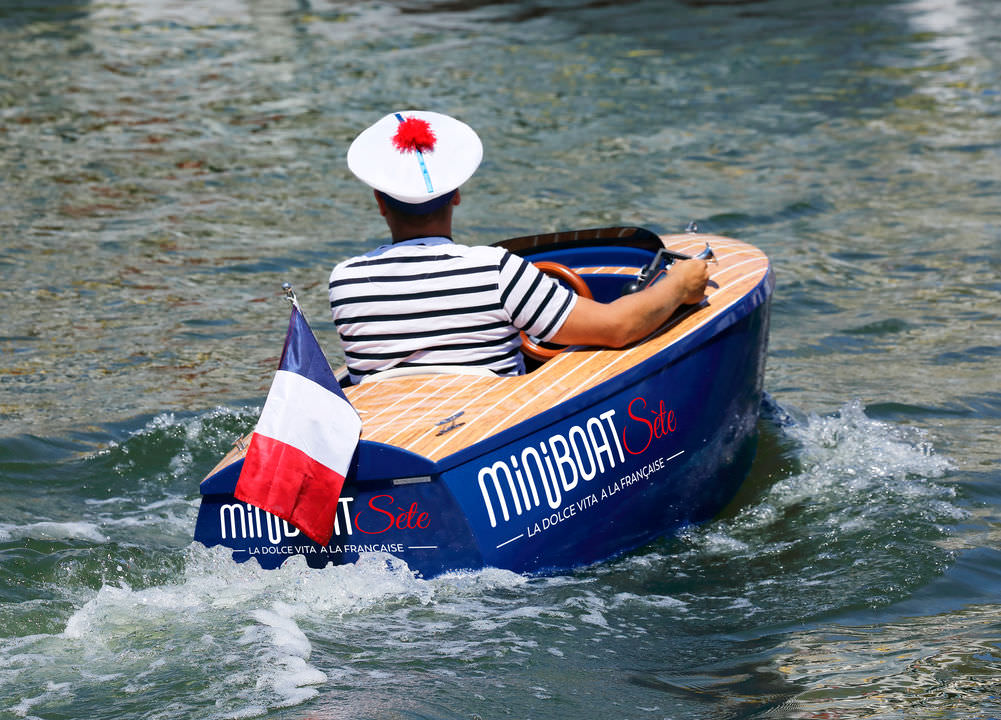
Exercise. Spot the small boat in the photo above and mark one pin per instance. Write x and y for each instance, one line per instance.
(591, 454)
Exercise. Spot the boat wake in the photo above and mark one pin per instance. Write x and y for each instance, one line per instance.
(848, 502)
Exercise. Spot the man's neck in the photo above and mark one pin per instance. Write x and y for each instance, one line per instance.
(406, 231)
(422, 236)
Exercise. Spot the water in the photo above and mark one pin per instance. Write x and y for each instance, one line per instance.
(165, 167)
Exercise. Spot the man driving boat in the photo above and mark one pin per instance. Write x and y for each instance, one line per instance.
(427, 301)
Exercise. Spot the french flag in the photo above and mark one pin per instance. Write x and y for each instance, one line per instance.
(304, 441)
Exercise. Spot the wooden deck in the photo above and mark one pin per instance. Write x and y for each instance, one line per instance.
(409, 411)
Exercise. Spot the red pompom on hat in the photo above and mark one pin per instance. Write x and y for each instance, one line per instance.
(414, 135)
(415, 156)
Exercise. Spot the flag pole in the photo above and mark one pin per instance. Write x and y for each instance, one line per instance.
(290, 296)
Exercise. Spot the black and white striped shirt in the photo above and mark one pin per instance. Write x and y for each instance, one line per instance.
(431, 302)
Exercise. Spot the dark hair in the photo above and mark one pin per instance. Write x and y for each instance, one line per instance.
(418, 215)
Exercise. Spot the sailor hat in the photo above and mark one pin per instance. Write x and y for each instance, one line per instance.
(416, 157)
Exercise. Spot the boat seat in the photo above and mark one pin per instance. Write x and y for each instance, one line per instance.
(429, 370)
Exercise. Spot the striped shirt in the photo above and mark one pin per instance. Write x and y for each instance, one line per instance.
(431, 302)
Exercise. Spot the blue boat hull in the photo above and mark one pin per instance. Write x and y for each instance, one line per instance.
(663, 445)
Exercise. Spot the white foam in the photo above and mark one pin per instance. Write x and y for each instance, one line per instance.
(849, 461)
(658, 601)
(45, 530)
(285, 634)
(252, 649)
(252, 633)
(593, 608)
(283, 666)
(52, 690)
(720, 543)
(853, 445)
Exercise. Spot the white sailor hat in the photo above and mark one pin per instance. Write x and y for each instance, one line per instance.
(416, 157)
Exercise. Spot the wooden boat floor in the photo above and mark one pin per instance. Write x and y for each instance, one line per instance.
(409, 411)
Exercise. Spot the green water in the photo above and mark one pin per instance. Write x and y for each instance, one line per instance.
(164, 167)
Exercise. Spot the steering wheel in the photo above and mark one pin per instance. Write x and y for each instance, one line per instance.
(538, 351)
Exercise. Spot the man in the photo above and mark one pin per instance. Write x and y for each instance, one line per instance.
(426, 301)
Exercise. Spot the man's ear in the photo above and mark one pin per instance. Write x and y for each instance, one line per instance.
(382, 202)
(456, 198)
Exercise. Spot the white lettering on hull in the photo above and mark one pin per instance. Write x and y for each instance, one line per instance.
(242, 521)
(558, 464)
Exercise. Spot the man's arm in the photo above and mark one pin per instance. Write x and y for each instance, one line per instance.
(633, 317)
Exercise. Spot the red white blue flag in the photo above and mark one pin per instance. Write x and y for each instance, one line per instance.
(304, 442)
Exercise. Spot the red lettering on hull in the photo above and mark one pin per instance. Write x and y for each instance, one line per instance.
(648, 423)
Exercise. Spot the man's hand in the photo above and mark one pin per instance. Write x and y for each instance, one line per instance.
(632, 317)
(692, 277)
